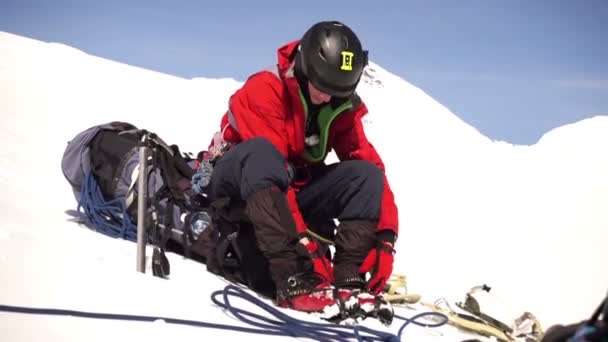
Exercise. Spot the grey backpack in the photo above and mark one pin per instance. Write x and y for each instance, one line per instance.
(101, 164)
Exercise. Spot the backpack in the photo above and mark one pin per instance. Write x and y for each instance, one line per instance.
(595, 329)
(101, 164)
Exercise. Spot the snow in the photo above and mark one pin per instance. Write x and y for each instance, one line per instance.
(530, 221)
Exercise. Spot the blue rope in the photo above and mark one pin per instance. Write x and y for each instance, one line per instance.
(283, 325)
(108, 217)
(414, 320)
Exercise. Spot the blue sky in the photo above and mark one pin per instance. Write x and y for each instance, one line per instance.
(513, 69)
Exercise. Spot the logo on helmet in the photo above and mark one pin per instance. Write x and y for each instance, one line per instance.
(347, 60)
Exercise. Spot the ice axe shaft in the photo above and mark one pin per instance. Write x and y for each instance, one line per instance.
(141, 209)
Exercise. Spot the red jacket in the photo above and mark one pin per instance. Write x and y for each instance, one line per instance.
(270, 107)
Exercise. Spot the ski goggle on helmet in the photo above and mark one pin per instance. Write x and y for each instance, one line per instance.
(331, 58)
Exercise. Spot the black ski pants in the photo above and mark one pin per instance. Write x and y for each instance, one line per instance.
(350, 191)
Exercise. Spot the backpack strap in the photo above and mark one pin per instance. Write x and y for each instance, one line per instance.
(227, 252)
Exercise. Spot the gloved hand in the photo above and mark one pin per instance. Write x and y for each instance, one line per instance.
(202, 177)
(379, 261)
(320, 263)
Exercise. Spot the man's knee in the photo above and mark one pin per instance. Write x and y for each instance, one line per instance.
(367, 173)
(263, 166)
(260, 146)
(366, 177)
(363, 196)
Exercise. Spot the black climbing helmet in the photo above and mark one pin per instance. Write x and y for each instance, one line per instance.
(331, 57)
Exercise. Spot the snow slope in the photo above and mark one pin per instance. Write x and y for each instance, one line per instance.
(528, 220)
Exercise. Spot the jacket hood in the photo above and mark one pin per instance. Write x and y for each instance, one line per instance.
(285, 55)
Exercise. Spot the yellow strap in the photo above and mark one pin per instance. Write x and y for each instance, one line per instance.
(395, 282)
(396, 297)
(319, 237)
(402, 298)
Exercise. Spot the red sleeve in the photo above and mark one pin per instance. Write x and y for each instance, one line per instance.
(256, 110)
(351, 143)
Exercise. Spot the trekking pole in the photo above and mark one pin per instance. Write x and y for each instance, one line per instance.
(141, 206)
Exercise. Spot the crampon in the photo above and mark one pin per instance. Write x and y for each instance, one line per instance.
(354, 305)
